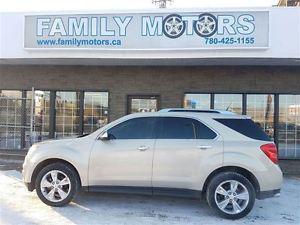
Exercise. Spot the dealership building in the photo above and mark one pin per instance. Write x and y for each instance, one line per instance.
(66, 74)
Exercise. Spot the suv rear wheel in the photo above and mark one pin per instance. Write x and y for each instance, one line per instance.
(231, 195)
(56, 184)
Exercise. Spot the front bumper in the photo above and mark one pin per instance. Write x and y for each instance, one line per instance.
(268, 194)
(29, 186)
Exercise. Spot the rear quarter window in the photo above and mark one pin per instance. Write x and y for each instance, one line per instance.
(246, 127)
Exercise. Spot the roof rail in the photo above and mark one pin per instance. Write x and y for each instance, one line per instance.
(196, 110)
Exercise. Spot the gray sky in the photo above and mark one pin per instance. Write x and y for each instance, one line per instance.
(50, 5)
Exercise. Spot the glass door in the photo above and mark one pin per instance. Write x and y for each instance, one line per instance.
(142, 103)
(67, 114)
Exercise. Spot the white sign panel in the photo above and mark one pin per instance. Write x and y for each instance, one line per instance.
(137, 31)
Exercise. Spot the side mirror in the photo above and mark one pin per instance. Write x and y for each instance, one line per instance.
(104, 136)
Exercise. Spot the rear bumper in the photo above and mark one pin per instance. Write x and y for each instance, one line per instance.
(268, 194)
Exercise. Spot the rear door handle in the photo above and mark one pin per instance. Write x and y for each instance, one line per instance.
(204, 147)
(143, 148)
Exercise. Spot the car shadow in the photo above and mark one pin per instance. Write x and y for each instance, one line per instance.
(118, 208)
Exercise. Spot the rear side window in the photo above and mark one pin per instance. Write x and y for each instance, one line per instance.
(246, 127)
(203, 132)
(137, 128)
(183, 128)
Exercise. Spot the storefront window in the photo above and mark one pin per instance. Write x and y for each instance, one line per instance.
(67, 114)
(146, 103)
(10, 119)
(95, 110)
(197, 101)
(289, 126)
(229, 102)
(41, 111)
(261, 109)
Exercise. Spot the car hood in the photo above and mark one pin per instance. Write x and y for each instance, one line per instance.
(66, 142)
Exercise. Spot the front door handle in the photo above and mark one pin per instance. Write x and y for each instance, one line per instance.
(143, 148)
(204, 147)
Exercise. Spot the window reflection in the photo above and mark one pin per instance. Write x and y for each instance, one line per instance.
(229, 102)
(10, 119)
(41, 110)
(95, 110)
(261, 109)
(67, 114)
(197, 101)
(143, 104)
(289, 126)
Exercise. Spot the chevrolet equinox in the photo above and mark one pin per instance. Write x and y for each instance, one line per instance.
(223, 157)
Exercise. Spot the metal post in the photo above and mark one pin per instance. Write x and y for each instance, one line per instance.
(212, 101)
(276, 119)
(31, 113)
(52, 114)
(23, 120)
(244, 104)
(81, 113)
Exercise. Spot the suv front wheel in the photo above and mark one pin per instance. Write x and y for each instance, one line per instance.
(56, 184)
(231, 195)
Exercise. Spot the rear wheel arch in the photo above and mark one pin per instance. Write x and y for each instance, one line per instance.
(246, 173)
(47, 162)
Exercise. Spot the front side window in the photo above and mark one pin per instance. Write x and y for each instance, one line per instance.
(137, 128)
(184, 128)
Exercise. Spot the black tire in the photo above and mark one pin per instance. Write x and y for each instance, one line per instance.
(66, 169)
(226, 176)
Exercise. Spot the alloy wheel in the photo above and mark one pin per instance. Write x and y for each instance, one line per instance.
(232, 197)
(55, 186)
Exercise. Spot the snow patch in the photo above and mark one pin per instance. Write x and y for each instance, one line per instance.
(18, 206)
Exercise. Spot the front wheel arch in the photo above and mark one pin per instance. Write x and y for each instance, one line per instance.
(246, 173)
(47, 162)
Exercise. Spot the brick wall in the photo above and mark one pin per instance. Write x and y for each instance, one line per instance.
(169, 82)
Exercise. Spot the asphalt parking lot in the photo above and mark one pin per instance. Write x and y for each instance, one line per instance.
(18, 206)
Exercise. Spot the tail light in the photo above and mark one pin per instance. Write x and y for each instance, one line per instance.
(271, 152)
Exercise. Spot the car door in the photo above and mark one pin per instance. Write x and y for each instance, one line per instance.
(126, 158)
(185, 149)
